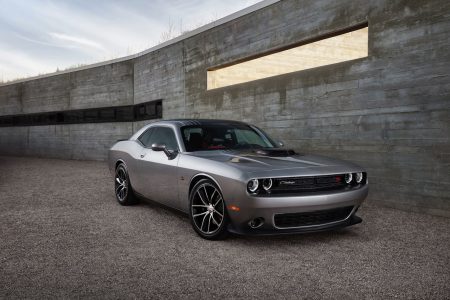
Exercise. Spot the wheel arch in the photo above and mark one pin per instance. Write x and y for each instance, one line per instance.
(118, 162)
(196, 178)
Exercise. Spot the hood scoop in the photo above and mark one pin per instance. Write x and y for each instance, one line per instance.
(275, 152)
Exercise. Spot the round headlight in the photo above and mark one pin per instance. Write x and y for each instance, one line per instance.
(267, 184)
(348, 178)
(252, 185)
(359, 177)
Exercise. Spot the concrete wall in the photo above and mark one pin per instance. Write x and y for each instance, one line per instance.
(109, 85)
(389, 111)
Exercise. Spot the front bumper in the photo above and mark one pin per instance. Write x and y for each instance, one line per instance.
(267, 207)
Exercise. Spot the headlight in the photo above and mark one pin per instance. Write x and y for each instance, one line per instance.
(359, 177)
(348, 178)
(252, 185)
(267, 184)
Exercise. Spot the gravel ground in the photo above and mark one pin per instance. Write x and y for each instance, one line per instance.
(62, 235)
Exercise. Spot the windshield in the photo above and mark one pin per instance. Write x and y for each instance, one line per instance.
(224, 137)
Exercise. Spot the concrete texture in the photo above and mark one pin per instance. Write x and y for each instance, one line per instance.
(388, 112)
(64, 141)
(63, 235)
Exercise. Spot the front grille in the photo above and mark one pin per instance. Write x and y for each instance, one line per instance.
(307, 184)
(312, 218)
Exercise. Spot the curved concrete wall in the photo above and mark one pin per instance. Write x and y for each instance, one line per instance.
(389, 111)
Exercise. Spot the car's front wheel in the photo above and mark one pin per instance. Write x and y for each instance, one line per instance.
(207, 210)
(124, 192)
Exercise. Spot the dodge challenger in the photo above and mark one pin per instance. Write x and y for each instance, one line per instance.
(229, 176)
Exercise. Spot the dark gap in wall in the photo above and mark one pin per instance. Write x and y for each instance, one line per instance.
(127, 113)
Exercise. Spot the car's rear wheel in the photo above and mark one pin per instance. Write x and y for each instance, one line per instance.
(207, 210)
(123, 190)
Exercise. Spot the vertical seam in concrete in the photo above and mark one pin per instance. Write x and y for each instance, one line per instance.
(133, 93)
(183, 60)
(69, 94)
(28, 137)
(20, 96)
(70, 141)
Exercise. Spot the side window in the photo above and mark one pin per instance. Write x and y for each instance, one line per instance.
(145, 137)
(165, 136)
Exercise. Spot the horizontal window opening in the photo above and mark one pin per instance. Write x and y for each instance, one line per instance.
(343, 47)
(127, 113)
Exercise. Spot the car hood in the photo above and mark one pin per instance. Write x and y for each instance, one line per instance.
(279, 162)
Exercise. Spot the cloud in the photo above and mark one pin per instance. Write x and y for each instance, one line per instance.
(16, 64)
(36, 41)
(43, 35)
(77, 40)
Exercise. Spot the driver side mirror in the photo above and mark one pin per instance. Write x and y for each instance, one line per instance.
(280, 143)
(161, 147)
(158, 147)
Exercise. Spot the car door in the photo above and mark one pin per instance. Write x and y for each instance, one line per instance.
(158, 173)
(137, 174)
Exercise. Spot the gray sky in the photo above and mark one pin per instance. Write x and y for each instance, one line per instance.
(39, 36)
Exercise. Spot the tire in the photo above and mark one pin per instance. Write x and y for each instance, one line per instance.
(207, 211)
(122, 186)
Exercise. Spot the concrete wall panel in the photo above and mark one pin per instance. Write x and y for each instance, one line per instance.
(110, 85)
(78, 141)
(11, 99)
(160, 75)
(46, 94)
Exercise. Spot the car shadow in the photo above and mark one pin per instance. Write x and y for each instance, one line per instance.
(309, 237)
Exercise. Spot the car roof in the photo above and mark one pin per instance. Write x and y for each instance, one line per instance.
(178, 123)
(193, 122)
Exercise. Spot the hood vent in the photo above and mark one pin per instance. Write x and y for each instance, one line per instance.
(275, 152)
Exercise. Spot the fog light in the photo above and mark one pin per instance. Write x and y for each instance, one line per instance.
(256, 223)
(252, 185)
(348, 178)
(267, 184)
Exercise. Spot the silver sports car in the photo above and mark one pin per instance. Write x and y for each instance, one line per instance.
(230, 176)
